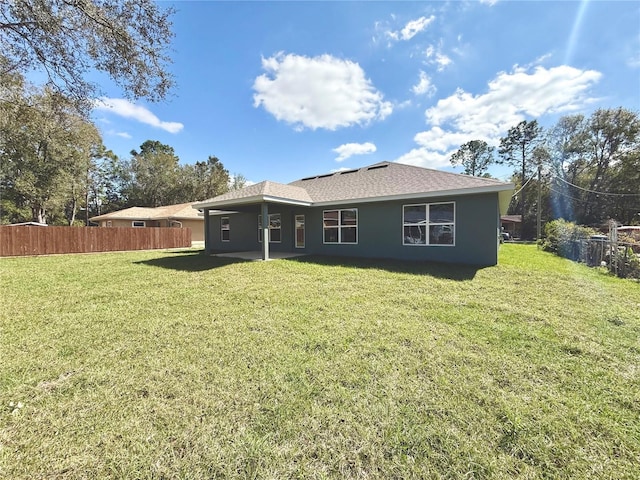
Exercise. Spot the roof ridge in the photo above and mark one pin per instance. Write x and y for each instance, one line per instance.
(445, 172)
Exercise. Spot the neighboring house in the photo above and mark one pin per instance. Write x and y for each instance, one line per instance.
(386, 210)
(181, 215)
(511, 225)
(28, 224)
(630, 231)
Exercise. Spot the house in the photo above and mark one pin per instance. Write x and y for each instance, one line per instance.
(511, 225)
(28, 224)
(181, 215)
(385, 210)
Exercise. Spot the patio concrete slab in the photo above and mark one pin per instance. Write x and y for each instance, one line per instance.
(258, 255)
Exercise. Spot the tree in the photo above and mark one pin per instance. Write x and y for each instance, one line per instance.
(624, 206)
(153, 175)
(107, 177)
(44, 148)
(595, 166)
(611, 135)
(127, 39)
(237, 181)
(565, 143)
(203, 180)
(79, 149)
(515, 150)
(475, 156)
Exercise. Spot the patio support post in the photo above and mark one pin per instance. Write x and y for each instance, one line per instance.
(207, 234)
(265, 231)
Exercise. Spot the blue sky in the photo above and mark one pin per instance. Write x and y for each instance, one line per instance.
(283, 90)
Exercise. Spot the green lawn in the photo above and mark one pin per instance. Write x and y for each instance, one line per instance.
(177, 365)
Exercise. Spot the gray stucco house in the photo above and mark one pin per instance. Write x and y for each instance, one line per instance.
(385, 210)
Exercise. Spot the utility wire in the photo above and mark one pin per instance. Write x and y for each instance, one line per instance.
(596, 192)
(521, 188)
(566, 195)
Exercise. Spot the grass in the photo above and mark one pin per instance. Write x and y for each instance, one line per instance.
(177, 365)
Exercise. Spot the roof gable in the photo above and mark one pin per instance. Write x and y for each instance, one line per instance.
(259, 192)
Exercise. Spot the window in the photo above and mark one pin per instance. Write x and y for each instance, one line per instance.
(428, 224)
(340, 226)
(138, 223)
(109, 223)
(275, 228)
(225, 230)
(299, 231)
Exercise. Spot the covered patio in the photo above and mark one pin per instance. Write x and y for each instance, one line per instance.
(257, 255)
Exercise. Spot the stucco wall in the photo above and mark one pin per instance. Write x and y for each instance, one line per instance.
(380, 231)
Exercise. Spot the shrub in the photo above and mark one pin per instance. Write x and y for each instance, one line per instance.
(566, 239)
(627, 263)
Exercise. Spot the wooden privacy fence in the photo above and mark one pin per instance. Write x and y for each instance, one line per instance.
(22, 241)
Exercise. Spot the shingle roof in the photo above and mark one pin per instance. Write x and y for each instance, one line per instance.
(381, 181)
(182, 211)
(388, 179)
(264, 189)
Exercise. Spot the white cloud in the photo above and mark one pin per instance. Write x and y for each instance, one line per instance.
(422, 157)
(341, 169)
(124, 108)
(424, 86)
(436, 57)
(349, 149)
(319, 92)
(122, 134)
(510, 98)
(412, 28)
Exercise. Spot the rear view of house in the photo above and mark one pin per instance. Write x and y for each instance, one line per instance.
(386, 210)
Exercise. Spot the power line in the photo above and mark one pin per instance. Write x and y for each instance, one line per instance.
(596, 192)
(566, 195)
(521, 188)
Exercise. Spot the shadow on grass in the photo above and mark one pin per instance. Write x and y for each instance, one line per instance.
(190, 262)
(198, 261)
(447, 271)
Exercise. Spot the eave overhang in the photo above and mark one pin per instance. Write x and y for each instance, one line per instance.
(504, 192)
(256, 199)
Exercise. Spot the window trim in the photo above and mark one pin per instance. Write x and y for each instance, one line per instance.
(269, 221)
(429, 224)
(225, 228)
(340, 226)
(133, 223)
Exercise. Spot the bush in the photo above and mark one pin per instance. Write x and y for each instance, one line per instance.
(627, 263)
(566, 239)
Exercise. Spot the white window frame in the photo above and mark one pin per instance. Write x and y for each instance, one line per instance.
(295, 231)
(109, 223)
(429, 224)
(340, 227)
(270, 228)
(133, 223)
(225, 227)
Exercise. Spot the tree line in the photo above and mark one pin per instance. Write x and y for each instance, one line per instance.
(54, 167)
(582, 169)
